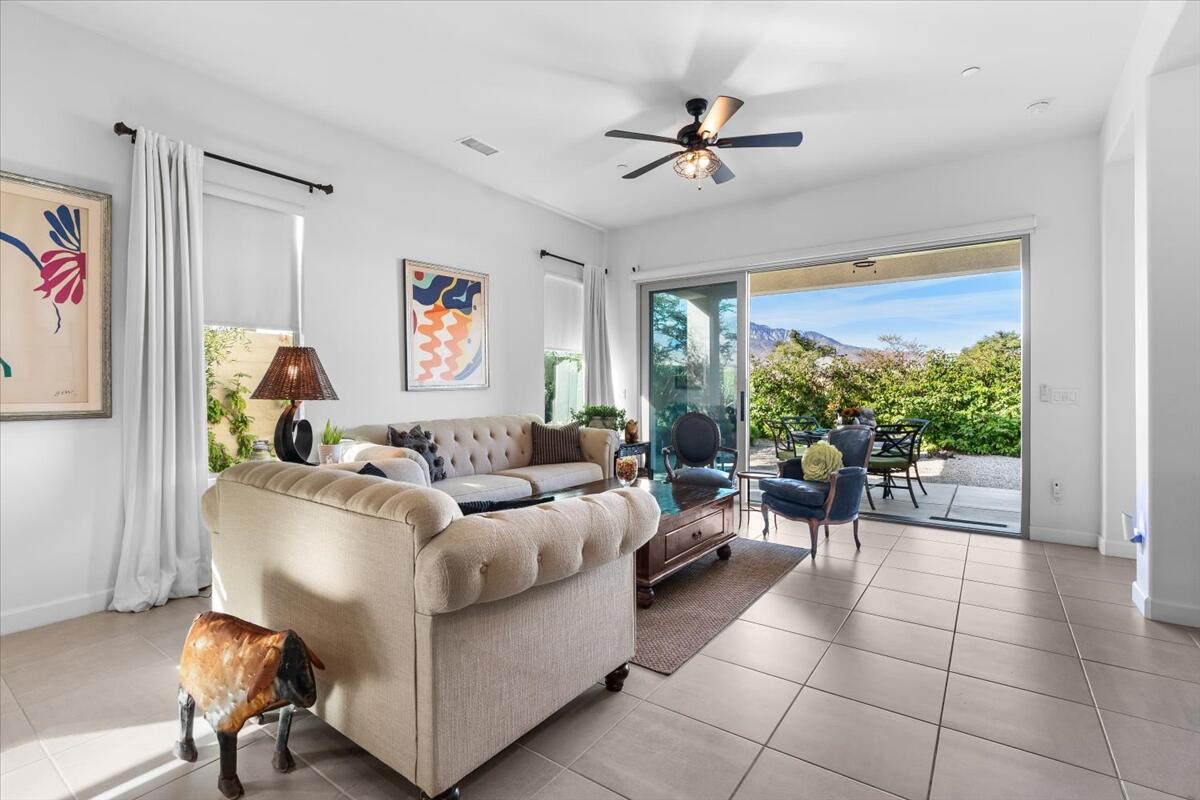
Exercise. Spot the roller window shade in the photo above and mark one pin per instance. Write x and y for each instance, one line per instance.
(251, 266)
(564, 314)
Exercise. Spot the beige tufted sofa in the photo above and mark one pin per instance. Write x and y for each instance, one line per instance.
(488, 458)
(445, 637)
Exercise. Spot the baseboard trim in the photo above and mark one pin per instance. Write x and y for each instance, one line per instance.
(1166, 611)
(1118, 548)
(35, 616)
(1065, 536)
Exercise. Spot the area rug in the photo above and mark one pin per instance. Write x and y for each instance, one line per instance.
(701, 600)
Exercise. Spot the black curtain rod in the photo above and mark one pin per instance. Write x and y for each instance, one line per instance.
(548, 254)
(121, 129)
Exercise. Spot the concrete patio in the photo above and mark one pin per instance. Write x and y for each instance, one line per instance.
(978, 508)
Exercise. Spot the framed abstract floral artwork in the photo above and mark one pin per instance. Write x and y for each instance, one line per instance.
(55, 300)
(446, 327)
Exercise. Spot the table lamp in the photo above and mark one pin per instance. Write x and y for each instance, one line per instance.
(296, 375)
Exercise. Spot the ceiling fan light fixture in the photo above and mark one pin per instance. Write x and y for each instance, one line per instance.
(697, 165)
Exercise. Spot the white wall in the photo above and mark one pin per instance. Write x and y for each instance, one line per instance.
(1117, 410)
(1167, 344)
(1058, 182)
(60, 516)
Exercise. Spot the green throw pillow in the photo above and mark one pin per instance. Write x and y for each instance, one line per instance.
(820, 461)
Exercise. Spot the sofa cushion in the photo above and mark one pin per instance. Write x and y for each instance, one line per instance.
(805, 493)
(485, 487)
(402, 469)
(554, 477)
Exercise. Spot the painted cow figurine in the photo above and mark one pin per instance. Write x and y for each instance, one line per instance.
(233, 671)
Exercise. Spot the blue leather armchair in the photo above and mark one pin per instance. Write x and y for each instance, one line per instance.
(816, 502)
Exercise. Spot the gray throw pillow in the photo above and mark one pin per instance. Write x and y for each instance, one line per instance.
(554, 445)
(422, 442)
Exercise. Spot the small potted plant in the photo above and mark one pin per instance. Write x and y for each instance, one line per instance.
(600, 416)
(330, 449)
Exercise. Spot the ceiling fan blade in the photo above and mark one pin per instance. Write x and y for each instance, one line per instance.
(653, 164)
(723, 173)
(722, 109)
(792, 139)
(645, 137)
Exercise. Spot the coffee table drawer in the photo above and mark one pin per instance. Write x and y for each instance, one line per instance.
(693, 534)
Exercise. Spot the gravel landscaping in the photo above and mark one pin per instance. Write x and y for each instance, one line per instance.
(996, 472)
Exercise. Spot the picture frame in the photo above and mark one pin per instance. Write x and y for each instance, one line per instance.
(55, 300)
(446, 321)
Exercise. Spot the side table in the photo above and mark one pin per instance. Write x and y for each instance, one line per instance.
(636, 449)
(744, 478)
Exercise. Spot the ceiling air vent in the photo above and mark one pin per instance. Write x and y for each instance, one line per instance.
(478, 146)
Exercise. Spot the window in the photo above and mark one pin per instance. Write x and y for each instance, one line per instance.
(564, 384)
(251, 307)
(563, 356)
(235, 361)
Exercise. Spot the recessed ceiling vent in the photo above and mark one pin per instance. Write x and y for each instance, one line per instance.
(478, 146)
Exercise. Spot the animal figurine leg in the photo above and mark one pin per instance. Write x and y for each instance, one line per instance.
(282, 761)
(227, 781)
(185, 746)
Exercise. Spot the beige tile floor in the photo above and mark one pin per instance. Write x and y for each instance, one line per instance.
(930, 664)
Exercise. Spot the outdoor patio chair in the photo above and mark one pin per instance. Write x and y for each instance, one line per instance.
(894, 453)
(785, 444)
(695, 445)
(816, 502)
(924, 423)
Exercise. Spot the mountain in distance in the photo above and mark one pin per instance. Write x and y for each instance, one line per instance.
(763, 339)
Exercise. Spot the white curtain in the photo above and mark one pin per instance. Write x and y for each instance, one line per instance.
(597, 375)
(165, 550)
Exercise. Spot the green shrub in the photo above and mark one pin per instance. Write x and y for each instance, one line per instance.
(972, 399)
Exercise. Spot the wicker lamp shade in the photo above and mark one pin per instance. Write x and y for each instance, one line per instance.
(295, 374)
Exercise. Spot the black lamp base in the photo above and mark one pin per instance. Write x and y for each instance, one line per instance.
(293, 439)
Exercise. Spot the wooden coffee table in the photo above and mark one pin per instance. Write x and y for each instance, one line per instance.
(694, 521)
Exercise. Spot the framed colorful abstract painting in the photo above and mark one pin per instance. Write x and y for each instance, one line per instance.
(446, 327)
(55, 300)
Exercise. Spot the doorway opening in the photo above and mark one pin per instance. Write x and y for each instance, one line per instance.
(927, 346)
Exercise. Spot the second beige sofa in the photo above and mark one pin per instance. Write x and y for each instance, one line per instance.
(487, 458)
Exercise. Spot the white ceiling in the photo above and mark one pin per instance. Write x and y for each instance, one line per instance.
(875, 86)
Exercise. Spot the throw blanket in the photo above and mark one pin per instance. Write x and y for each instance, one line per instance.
(820, 461)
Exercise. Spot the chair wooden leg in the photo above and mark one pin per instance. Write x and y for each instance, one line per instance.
(920, 482)
(813, 527)
(826, 531)
(857, 543)
(766, 519)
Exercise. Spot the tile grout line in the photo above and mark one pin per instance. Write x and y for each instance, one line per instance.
(937, 738)
(42, 746)
(1091, 692)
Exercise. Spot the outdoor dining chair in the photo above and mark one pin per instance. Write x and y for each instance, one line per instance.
(895, 452)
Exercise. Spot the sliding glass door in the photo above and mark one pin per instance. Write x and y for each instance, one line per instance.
(693, 358)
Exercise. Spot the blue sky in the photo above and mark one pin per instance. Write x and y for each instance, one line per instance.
(950, 313)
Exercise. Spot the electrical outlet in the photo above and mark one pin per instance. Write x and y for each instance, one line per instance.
(1056, 491)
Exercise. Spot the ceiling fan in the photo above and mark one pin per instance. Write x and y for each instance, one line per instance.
(697, 161)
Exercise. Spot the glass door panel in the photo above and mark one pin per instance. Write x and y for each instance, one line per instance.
(693, 360)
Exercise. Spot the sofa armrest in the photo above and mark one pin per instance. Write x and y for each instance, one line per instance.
(369, 451)
(402, 469)
(486, 557)
(599, 446)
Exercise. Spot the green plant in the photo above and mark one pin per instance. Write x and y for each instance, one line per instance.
(584, 415)
(226, 401)
(972, 398)
(332, 434)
